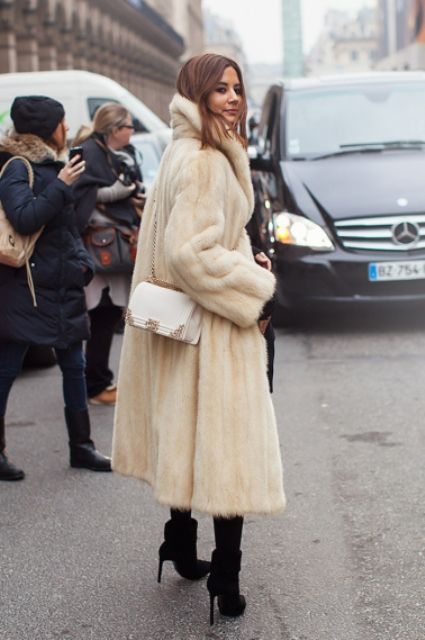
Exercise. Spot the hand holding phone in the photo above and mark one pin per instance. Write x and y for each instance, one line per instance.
(73, 168)
(76, 151)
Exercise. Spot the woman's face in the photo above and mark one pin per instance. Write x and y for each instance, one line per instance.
(226, 99)
(120, 136)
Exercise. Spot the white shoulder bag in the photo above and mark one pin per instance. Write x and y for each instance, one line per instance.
(162, 308)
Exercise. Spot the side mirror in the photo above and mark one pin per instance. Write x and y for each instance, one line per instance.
(260, 163)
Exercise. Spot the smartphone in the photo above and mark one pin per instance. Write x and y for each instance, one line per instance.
(76, 151)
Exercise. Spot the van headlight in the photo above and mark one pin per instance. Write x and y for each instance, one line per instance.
(301, 232)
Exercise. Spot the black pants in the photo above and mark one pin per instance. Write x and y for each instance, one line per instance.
(103, 320)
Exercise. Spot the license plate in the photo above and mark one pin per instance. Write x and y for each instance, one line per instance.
(411, 270)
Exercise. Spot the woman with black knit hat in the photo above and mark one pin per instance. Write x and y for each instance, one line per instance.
(60, 268)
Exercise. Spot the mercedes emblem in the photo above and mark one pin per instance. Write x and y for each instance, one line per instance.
(405, 233)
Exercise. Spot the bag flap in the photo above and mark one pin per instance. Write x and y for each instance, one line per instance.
(101, 237)
(152, 302)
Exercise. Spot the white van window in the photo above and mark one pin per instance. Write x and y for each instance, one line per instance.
(94, 104)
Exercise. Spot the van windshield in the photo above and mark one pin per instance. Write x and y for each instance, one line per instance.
(326, 121)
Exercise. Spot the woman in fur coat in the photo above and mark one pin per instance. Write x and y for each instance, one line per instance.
(197, 422)
(60, 268)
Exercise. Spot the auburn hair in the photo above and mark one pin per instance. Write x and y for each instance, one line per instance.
(198, 77)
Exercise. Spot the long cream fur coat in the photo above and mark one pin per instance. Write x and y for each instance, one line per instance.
(197, 422)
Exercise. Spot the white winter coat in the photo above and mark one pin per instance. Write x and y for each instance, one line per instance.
(197, 422)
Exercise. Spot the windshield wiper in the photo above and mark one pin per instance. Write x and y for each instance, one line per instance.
(344, 152)
(385, 144)
(371, 147)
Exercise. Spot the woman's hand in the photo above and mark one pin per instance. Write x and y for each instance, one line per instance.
(72, 170)
(138, 200)
(263, 324)
(263, 261)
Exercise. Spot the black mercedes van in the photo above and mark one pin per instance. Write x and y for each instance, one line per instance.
(339, 180)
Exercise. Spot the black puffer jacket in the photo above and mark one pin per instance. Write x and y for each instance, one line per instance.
(60, 265)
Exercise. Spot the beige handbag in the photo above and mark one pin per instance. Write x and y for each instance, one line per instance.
(162, 308)
(16, 249)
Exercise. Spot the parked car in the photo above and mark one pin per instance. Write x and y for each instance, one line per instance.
(149, 151)
(340, 189)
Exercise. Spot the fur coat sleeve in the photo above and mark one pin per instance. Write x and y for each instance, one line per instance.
(220, 278)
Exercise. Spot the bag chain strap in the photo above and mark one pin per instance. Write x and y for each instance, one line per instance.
(152, 278)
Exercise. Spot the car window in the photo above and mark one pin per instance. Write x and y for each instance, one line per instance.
(320, 121)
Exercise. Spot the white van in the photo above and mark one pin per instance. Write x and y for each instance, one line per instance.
(81, 92)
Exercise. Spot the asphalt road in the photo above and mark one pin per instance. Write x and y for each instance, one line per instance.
(345, 562)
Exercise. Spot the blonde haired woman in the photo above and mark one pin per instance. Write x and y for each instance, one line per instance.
(105, 194)
(197, 422)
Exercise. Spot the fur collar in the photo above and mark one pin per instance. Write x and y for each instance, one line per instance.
(31, 147)
(186, 123)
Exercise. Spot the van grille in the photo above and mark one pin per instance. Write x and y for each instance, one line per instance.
(385, 233)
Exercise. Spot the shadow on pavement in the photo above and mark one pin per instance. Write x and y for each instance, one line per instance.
(401, 317)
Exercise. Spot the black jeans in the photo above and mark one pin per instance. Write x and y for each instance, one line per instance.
(71, 363)
(103, 320)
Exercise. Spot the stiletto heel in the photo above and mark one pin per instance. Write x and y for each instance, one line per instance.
(212, 598)
(160, 569)
(179, 547)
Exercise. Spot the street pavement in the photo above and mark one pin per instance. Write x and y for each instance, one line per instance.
(345, 562)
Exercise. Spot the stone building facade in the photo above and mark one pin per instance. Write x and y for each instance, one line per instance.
(130, 41)
(401, 35)
(187, 19)
(347, 43)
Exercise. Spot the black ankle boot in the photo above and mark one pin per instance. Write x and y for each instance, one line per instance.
(179, 547)
(83, 454)
(8, 471)
(223, 583)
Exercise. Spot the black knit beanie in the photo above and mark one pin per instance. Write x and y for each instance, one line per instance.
(38, 115)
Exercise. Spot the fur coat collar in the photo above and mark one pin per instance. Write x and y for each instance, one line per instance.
(31, 147)
(186, 123)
